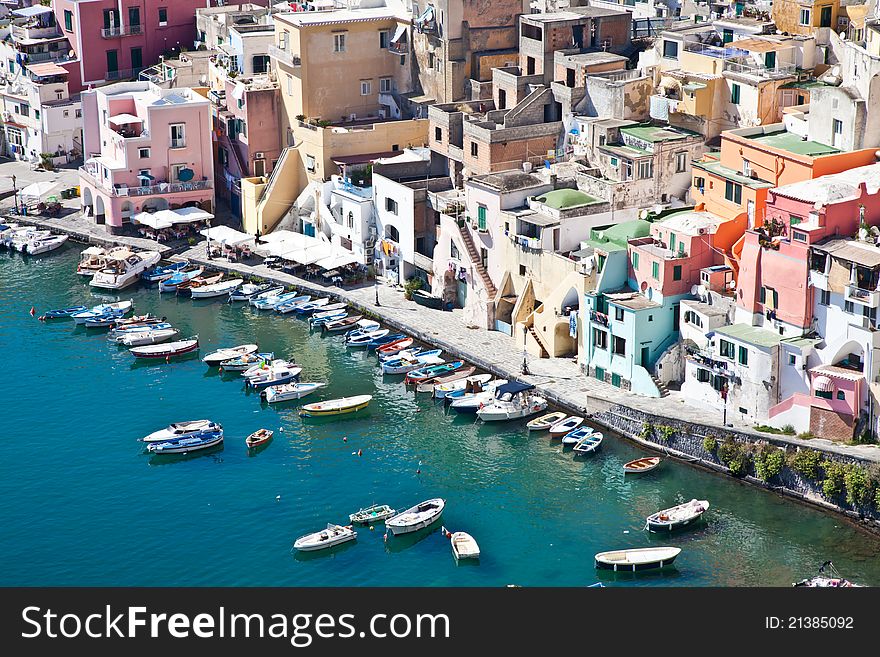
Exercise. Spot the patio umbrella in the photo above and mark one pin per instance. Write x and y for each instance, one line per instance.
(157, 220)
(37, 189)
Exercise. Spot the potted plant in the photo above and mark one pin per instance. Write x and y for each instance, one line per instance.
(411, 286)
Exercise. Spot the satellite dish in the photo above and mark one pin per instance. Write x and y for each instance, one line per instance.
(71, 54)
(644, 213)
(644, 286)
(842, 35)
(701, 291)
(694, 290)
(732, 285)
(835, 71)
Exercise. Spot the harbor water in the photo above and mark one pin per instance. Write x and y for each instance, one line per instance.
(81, 503)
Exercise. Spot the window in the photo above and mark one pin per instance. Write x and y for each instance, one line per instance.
(366, 87)
(825, 297)
(403, 60)
(289, 84)
(700, 183)
(770, 59)
(24, 110)
(655, 270)
(385, 85)
(310, 163)
(600, 263)
(618, 314)
(646, 169)
(383, 39)
(339, 42)
(670, 49)
(615, 380)
(475, 149)
(13, 135)
(869, 312)
(613, 161)
(430, 60)
(794, 220)
(733, 192)
(837, 126)
(676, 273)
(143, 153)
(600, 339)
(175, 171)
(798, 236)
(481, 217)
(163, 16)
(178, 135)
(727, 349)
(703, 376)
(805, 17)
(627, 170)
(681, 162)
(522, 270)
(792, 359)
(453, 251)
(390, 205)
(68, 20)
(635, 260)
(438, 134)
(743, 356)
(650, 318)
(841, 395)
(825, 394)
(734, 93)
(849, 307)
(78, 114)
(619, 346)
(600, 373)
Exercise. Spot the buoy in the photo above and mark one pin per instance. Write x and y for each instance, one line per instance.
(33, 311)
(385, 537)
(345, 439)
(359, 452)
(168, 359)
(372, 529)
(281, 429)
(277, 498)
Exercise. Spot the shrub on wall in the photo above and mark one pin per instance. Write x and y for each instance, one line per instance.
(710, 443)
(833, 484)
(647, 431)
(665, 433)
(858, 485)
(806, 462)
(735, 457)
(769, 461)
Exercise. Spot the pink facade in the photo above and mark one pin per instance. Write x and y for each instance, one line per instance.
(115, 39)
(252, 129)
(146, 149)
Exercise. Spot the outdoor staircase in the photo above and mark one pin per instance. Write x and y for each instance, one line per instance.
(664, 391)
(477, 261)
(537, 337)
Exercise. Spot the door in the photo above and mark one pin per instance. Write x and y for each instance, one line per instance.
(137, 58)
(770, 60)
(484, 258)
(837, 129)
(112, 61)
(646, 354)
(825, 17)
(750, 210)
(461, 289)
(134, 19)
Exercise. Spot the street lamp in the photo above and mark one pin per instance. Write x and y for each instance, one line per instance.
(525, 365)
(376, 287)
(14, 193)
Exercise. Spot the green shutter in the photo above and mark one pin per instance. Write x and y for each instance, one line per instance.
(600, 373)
(676, 273)
(734, 93)
(481, 217)
(655, 269)
(635, 260)
(672, 241)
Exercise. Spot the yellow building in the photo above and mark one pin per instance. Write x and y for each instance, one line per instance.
(804, 16)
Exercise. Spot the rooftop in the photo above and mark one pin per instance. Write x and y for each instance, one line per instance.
(850, 250)
(714, 166)
(594, 58)
(750, 334)
(615, 238)
(655, 134)
(508, 181)
(337, 16)
(788, 141)
(565, 199)
(706, 309)
(691, 222)
(631, 300)
(835, 187)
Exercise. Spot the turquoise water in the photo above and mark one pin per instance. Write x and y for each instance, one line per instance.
(81, 504)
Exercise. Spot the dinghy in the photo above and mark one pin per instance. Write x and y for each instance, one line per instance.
(457, 375)
(178, 278)
(645, 464)
(186, 288)
(162, 272)
(167, 350)
(417, 517)
(216, 357)
(118, 330)
(588, 445)
(181, 429)
(405, 364)
(274, 291)
(391, 348)
(291, 305)
(339, 325)
(464, 546)
(64, 313)
(259, 437)
(363, 339)
(574, 436)
(262, 368)
(466, 382)
(375, 343)
(371, 514)
(361, 327)
(677, 517)
(221, 289)
(109, 320)
(636, 559)
(244, 363)
(119, 336)
(544, 422)
(188, 444)
(289, 391)
(272, 302)
(562, 427)
(120, 308)
(425, 374)
(326, 538)
(324, 314)
(313, 305)
(336, 406)
(247, 291)
(409, 352)
(141, 338)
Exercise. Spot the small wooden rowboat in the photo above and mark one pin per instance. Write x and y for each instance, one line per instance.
(464, 546)
(545, 421)
(457, 375)
(167, 350)
(336, 406)
(645, 464)
(677, 517)
(375, 513)
(636, 559)
(562, 427)
(259, 437)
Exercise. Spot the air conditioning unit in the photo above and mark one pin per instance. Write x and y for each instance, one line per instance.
(368, 259)
(259, 155)
(352, 116)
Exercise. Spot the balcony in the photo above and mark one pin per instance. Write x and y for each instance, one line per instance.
(746, 68)
(121, 31)
(124, 73)
(285, 56)
(157, 188)
(869, 298)
(819, 280)
(423, 262)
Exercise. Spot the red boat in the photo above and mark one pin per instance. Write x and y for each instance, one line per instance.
(394, 347)
(168, 349)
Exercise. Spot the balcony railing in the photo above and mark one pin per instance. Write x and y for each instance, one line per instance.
(285, 56)
(869, 298)
(124, 73)
(760, 71)
(121, 31)
(146, 190)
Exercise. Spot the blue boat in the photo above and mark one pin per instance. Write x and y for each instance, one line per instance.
(170, 284)
(574, 436)
(270, 303)
(332, 316)
(385, 339)
(161, 272)
(187, 443)
(63, 313)
(291, 304)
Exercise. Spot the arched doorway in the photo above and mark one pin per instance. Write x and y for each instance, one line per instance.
(126, 212)
(99, 209)
(87, 202)
(391, 233)
(155, 204)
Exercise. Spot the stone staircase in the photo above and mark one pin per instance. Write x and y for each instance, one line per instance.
(664, 391)
(537, 337)
(474, 255)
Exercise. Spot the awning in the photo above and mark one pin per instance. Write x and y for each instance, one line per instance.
(823, 384)
(226, 235)
(44, 69)
(125, 119)
(36, 10)
(187, 215)
(427, 15)
(338, 259)
(156, 220)
(513, 388)
(399, 33)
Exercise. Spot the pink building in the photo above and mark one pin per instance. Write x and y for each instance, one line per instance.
(774, 267)
(116, 39)
(146, 149)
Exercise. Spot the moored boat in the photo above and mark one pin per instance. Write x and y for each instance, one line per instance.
(40, 245)
(371, 514)
(153, 336)
(395, 347)
(340, 325)
(181, 429)
(119, 308)
(289, 391)
(417, 517)
(91, 260)
(460, 374)
(574, 436)
(588, 445)
(321, 318)
(636, 559)
(167, 350)
(361, 326)
(290, 305)
(273, 291)
(244, 363)
(513, 401)
(248, 290)
(470, 382)
(831, 579)
(406, 363)
(464, 546)
(124, 268)
(375, 343)
(565, 425)
(677, 517)
(312, 305)
(121, 323)
(119, 336)
(216, 357)
(64, 313)
(272, 302)
(162, 272)
(187, 444)
(472, 402)
(219, 289)
(544, 422)
(275, 375)
(326, 538)
(258, 438)
(425, 374)
(641, 465)
(186, 288)
(363, 339)
(180, 277)
(339, 406)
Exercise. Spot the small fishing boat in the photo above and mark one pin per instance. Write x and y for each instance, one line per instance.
(457, 375)
(40, 245)
(274, 291)
(321, 318)
(261, 368)
(409, 354)
(472, 402)
(641, 465)
(417, 517)
(259, 437)
(460, 382)
(544, 422)
(339, 325)
(244, 363)
(162, 272)
(120, 336)
(247, 291)
(677, 517)
(405, 363)
(289, 391)
(371, 514)
(122, 326)
(291, 305)
(375, 343)
(636, 559)
(832, 579)
(392, 348)
(216, 357)
(361, 326)
(181, 429)
(326, 538)
(275, 375)
(181, 276)
(363, 339)
(574, 436)
(464, 546)
(565, 425)
(425, 374)
(91, 260)
(186, 288)
(168, 349)
(588, 445)
(120, 308)
(309, 307)
(121, 323)
(191, 443)
(427, 299)
(123, 268)
(18, 239)
(336, 406)
(220, 289)
(512, 401)
(272, 302)
(141, 338)
(64, 313)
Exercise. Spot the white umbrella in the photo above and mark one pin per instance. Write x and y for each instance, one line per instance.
(157, 220)
(187, 215)
(37, 189)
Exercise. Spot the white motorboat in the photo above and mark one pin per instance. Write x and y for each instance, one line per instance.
(181, 429)
(408, 363)
(472, 402)
(216, 357)
(261, 368)
(633, 559)
(464, 546)
(124, 268)
(191, 443)
(93, 259)
(248, 290)
(118, 308)
(513, 401)
(275, 375)
(326, 538)
(118, 335)
(19, 238)
(223, 288)
(45, 244)
(242, 363)
(371, 514)
(576, 435)
(677, 517)
(469, 383)
(276, 291)
(290, 391)
(141, 338)
(418, 517)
